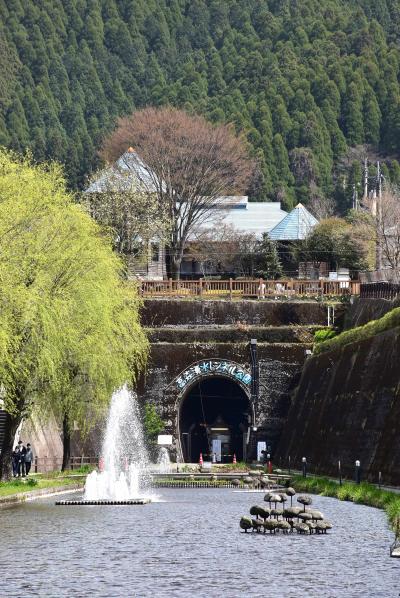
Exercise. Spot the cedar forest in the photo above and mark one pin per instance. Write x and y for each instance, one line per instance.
(312, 84)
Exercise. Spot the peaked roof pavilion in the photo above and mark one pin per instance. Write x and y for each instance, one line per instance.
(128, 172)
(295, 226)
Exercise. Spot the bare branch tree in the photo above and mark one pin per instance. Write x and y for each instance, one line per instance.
(223, 249)
(189, 162)
(320, 206)
(388, 227)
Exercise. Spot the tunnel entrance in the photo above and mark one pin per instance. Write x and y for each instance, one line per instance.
(215, 416)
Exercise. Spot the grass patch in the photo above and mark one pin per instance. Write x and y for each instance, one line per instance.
(363, 494)
(387, 322)
(323, 335)
(27, 484)
(240, 467)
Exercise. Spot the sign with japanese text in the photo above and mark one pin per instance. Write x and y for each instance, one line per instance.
(213, 366)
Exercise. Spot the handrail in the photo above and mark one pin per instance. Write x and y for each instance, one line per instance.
(251, 288)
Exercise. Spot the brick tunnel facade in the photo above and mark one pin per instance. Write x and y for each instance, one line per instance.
(199, 375)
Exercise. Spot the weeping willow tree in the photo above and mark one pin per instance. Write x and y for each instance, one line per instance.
(69, 324)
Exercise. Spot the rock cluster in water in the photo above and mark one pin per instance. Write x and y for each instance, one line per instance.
(285, 519)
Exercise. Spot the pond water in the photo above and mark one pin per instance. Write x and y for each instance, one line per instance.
(190, 545)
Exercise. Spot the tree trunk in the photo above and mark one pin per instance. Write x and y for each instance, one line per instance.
(12, 423)
(176, 267)
(66, 444)
(173, 261)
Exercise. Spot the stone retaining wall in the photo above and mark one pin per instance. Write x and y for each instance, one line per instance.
(362, 311)
(183, 332)
(347, 407)
(180, 312)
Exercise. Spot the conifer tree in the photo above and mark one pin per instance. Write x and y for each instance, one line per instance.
(268, 262)
(353, 120)
(324, 76)
(372, 117)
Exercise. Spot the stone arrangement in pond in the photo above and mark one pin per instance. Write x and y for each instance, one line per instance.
(287, 519)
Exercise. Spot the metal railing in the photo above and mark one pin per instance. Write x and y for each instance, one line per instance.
(254, 288)
(380, 290)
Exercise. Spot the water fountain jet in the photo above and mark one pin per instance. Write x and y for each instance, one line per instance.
(163, 461)
(123, 477)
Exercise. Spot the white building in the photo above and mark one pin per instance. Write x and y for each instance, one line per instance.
(233, 212)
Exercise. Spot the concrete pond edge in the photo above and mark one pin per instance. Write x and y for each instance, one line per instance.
(21, 497)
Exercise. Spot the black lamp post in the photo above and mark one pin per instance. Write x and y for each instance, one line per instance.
(304, 466)
(358, 472)
(255, 380)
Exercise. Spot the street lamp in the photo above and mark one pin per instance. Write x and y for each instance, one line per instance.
(304, 466)
(358, 471)
(269, 463)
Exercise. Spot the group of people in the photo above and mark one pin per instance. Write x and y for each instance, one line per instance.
(22, 458)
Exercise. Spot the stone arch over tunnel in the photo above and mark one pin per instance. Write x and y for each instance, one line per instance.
(215, 415)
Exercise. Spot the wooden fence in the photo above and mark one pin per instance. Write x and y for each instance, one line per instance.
(380, 290)
(47, 464)
(255, 288)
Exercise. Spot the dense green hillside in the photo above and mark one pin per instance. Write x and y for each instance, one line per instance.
(305, 79)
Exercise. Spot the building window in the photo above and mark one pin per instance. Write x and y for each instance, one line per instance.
(137, 247)
(155, 252)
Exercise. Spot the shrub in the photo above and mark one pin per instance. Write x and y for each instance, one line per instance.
(31, 482)
(84, 469)
(387, 322)
(365, 494)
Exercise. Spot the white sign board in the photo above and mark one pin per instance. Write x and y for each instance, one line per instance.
(261, 446)
(164, 439)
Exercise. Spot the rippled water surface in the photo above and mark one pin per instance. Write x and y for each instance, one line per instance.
(190, 546)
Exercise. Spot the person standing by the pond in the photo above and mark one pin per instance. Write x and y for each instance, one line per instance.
(28, 458)
(21, 460)
(15, 461)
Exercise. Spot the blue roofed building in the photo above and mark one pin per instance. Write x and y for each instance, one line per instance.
(234, 224)
(254, 217)
(295, 226)
(291, 230)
